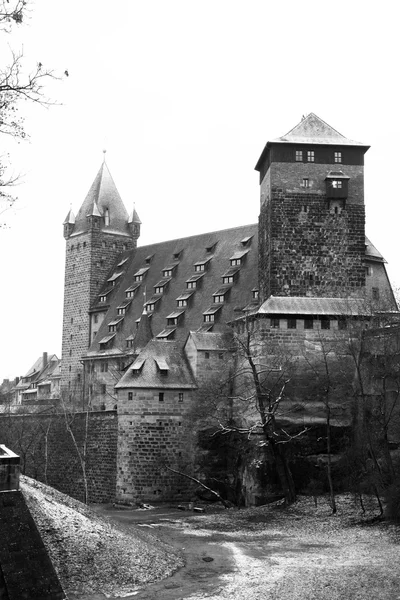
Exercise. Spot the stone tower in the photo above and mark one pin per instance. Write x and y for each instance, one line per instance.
(100, 231)
(311, 225)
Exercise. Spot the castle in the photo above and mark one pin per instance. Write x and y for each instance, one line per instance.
(144, 326)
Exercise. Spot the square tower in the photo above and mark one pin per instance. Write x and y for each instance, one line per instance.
(312, 215)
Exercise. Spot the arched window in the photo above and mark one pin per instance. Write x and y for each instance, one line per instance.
(107, 217)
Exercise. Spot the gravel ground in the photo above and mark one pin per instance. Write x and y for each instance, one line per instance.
(88, 552)
(301, 552)
(304, 553)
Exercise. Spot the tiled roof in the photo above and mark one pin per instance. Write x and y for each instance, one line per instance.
(192, 250)
(313, 130)
(209, 341)
(171, 358)
(103, 194)
(289, 305)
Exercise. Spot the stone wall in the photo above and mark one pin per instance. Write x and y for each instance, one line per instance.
(35, 437)
(153, 434)
(308, 250)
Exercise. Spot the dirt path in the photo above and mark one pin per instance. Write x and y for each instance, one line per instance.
(265, 554)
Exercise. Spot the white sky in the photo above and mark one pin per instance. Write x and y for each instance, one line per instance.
(183, 95)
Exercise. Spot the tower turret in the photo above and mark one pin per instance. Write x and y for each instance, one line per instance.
(99, 232)
(134, 225)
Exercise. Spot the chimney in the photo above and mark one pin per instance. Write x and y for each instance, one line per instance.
(44, 360)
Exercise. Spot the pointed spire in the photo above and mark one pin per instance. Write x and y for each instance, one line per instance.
(144, 333)
(70, 218)
(134, 217)
(103, 194)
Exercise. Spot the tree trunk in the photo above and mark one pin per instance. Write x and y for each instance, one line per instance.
(329, 465)
(284, 472)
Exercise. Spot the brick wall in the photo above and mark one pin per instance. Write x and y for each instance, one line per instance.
(26, 436)
(151, 435)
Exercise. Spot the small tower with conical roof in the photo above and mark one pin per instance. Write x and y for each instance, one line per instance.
(101, 230)
(312, 216)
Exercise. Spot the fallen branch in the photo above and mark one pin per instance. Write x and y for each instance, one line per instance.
(224, 502)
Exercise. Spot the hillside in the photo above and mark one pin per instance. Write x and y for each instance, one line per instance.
(88, 552)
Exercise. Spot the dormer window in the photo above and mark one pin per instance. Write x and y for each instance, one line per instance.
(227, 279)
(175, 318)
(211, 247)
(256, 294)
(162, 366)
(210, 315)
(246, 241)
(299, 155)
(168, 271)
(106, 342)
(148, 259)
(336, 183)
(219, 299)
(201, 265)
(161, 286)
(183, 299)
(194, 281)
(113, 325)
(238, 258)
(141, 274)
(338, 157)
(310, 156)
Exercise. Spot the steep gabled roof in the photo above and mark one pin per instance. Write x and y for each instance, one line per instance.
(192, 251)
(103, 195)
(157, 356)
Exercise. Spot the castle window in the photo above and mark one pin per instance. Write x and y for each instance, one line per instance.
(180, 397)
(325, 324)
(104, 244)
(310, 156)
(308, 323)
(306, 182)
(95, 318)
(103, 389)
(342, 323)
(107, 217)
(161, 396)
(337, 184)
(104, 367)
(274, 323)
(255, 294)
(291, 323)
(368, 271)
(299, 155)
(130, 395)
(206, 355)
(84, 244)
(338, 157)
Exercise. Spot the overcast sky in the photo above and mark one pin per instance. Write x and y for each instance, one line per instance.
(184, 95)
